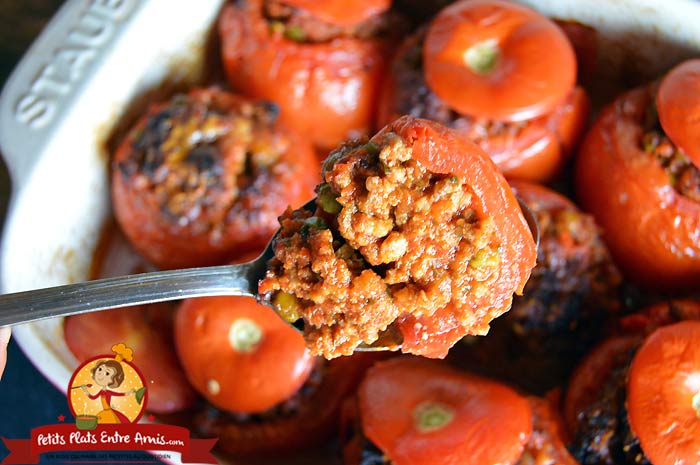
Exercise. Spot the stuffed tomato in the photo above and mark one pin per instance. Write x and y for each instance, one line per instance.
(202, 178)
(493, 82)
(644, 191)
(572, 291)
(414, 235)
(266, 394)
(321, 62)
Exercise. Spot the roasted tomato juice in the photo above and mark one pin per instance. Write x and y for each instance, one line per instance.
(413, 126)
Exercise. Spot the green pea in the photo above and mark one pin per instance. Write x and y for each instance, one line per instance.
(327, 200)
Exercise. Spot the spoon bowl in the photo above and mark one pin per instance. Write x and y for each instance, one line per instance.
(160, 286)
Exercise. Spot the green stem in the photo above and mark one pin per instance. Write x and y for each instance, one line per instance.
(482, 56)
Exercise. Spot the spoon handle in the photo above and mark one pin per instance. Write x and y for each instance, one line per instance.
(158, 286)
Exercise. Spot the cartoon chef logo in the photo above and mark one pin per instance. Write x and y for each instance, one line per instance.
(107, 389)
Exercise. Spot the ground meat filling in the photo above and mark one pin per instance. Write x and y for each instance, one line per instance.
(389, 239)
(211, 419)
(205, 158)
(603, 433)
(574, 280)
(299, 25)
(682, 174)
(412, 96)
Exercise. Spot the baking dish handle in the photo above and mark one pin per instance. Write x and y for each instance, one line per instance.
(49, 78)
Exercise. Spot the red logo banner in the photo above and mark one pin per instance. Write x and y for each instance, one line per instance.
(142, 437)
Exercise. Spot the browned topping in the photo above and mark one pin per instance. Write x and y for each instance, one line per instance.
(574, 277)
(301, 26)
(604, 435)
(200, 155)
(682, 174)
(405, 242)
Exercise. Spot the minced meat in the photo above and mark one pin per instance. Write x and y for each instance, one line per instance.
(682, 174)
(388, 241)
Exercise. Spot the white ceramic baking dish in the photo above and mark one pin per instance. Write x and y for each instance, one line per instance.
(97, 59)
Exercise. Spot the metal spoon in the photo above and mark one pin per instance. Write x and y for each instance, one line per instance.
(160, 286)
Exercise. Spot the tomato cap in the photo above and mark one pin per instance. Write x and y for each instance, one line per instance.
(498, 60)
(663, 394)
(422, 412)
(678, 104)
(239, 354)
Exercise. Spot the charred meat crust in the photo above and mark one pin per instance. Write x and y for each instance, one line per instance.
(572, 291)
(604, 435)
(204, 155)
(574, 281)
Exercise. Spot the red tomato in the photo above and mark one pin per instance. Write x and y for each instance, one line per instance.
(496, 68)
(203, 177)
(239, 354)
(652, 230)
(535, 149)
(421, 412)
(342, 12)
(146, 330)
(663, 394)
(678, 103)
(324, 90)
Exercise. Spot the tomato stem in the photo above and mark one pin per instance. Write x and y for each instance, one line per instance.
(429, 416)
(244, 335)
(482, 56)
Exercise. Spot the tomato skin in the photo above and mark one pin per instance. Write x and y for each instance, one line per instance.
(229, 220)
(342, 12)
(535, 152)
(442, 151)
(146, 330)
(651, 230)
(520, 35)
(246, 381)
(315, 421)
(491, 423)
(678, 104)
(326, 91)
(662, 383)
